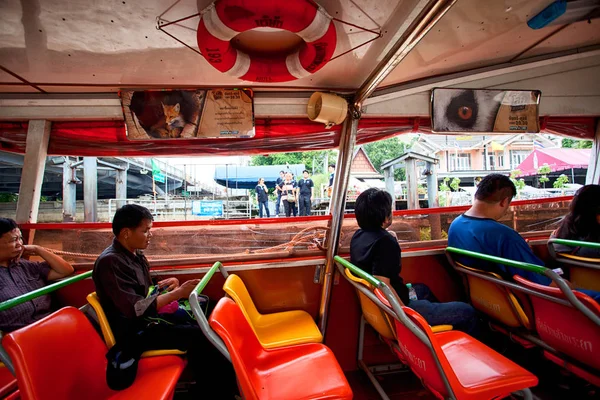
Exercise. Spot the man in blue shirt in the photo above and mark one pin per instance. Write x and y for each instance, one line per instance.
(478, 230)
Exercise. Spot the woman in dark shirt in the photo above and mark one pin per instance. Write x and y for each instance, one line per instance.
(262, 197)
(582, 222)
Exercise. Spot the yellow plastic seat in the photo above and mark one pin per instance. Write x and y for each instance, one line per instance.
(495, 301)
(582, 277)
(378, 318)
(107, 333)
(276, 329)
(373, 314)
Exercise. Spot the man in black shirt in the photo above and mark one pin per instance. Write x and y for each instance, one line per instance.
(279, 192)
(305, 186)
(122, 278)
(374, 250)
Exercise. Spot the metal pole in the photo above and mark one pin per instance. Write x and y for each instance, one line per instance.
(186, 193)
(415, 32)
(337, 207)
(166, 185)
(227, 191)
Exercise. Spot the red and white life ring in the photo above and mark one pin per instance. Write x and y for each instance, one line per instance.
(224, 19)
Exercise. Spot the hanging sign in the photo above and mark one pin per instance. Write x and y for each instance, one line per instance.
(188, 114)
(485, 111)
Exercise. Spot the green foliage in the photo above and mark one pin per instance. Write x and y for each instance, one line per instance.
(8, 198)
(455, 184)
(306, 158)
(444, 185)
(519, 183)
(384, 150)
(576, 144)
(544, 170)
(560, 182)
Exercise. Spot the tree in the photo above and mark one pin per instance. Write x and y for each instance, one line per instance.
(307, 158)
(560, 182)
(519, 183)
(576, 144)
(454, 184)
(544, 170)
(384, 150)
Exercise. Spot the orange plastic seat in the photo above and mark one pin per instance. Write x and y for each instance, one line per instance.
(62, 357)
(496, 301)
(109, 337)
(305, 371)
(472, 370)
(276, 329)
(582, 277)
(564, 328)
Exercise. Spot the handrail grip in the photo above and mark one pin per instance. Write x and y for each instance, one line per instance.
(560, 282)
(574, 243)
(511, 263)
(210, 334)
(15, 301)
(359, 272)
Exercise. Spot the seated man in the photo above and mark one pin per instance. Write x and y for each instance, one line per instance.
(478, 230)
(376, 251)
(123, 285)
(19, 276)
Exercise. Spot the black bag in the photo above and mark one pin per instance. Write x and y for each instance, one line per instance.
(123, 360)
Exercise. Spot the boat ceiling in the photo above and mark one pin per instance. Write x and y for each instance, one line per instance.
(67, 46)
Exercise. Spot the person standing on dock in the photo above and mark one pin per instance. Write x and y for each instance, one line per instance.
(305, 187)
(262, 197)
(278, 191)
(288, 190)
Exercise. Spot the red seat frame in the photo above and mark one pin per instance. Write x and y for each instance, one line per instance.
(62, 357)
(304, 371)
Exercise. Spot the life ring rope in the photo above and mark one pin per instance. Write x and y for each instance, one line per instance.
(217, 27)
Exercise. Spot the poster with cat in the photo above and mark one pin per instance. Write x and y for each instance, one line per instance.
(166, 114)
(485, 111)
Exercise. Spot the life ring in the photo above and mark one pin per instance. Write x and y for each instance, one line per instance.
(224, 19)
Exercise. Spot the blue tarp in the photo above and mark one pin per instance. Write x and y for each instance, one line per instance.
(242, 177)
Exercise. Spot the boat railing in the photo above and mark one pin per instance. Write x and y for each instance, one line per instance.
(34, 294)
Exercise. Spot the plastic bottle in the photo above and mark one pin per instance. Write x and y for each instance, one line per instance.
(412, 294)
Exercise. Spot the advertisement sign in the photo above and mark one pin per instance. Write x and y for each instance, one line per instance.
(188, 114)
(485, 111)
(207, 208)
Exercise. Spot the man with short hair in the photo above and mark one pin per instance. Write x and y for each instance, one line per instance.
(19, 276)
(478, 230)
(376, 251)
(331, 175)
(279, 191)
(305, 188)
(122, 278)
